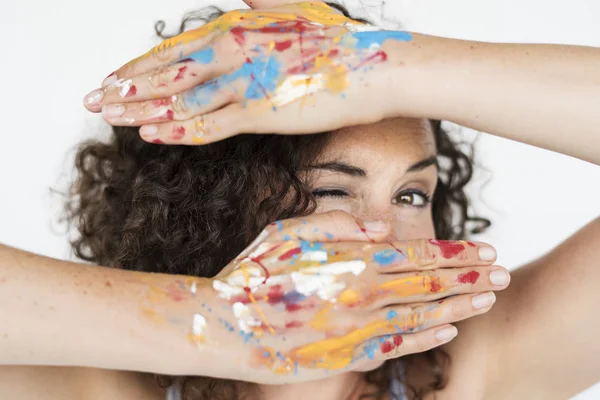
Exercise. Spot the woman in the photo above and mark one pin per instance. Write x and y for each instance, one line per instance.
(350, 169)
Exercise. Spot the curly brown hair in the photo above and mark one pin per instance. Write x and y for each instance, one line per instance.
(191, 210)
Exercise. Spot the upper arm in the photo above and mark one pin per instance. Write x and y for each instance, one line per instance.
(546, 326)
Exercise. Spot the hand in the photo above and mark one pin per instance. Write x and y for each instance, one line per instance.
(322, 295)
(257, 71)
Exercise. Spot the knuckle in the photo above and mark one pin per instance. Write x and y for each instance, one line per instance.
(424, 342)
(180, 108)
(458, 312)
(158, 81)
(163, 51)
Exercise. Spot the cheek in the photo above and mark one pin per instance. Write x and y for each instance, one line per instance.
(418, 227)
(324, 205)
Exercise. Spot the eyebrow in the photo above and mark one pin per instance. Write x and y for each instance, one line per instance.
(344, 168)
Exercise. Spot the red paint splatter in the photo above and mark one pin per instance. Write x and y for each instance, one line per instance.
(398, 340)
(471, 244)
(469, 277)
(240, 299)
(397, 249)
(434, 285)
(282, 46)
(132, 91)
(378, 57)
(161, 102)
(158, 141)
(238, 35)
(169, 115)
(178, 132)
(180, 74)
(275, 294)
(293, 307)
(294, 324)
(290, 253)
(386, 347)
(175, 293)
(448, 249)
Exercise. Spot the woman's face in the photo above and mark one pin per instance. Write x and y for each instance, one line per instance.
(384, 171)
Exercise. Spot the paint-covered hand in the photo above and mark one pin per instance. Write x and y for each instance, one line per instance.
(298, 68)
(323, 294)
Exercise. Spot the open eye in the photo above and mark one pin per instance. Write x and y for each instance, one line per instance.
(329, 193)
(412, 198)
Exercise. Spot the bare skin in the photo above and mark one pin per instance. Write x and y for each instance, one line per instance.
(535, 351)
(395, 145)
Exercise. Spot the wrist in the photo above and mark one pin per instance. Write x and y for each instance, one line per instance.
(424, 77)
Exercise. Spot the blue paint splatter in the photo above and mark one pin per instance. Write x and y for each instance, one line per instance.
(329, 235)
(279, 225)
(391, 314)
(263, 76)
(365, 40)
(293, 297)
(370, 348)
(205, 56)
(306, 246)
(287, 237)
(247, 336)
(387, 257)
(203, 94)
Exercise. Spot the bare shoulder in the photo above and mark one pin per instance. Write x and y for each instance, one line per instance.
(540, 340)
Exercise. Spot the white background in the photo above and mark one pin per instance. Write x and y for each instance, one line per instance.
(57, 51)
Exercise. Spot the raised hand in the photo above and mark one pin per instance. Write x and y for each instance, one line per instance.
(255, 71)
(322, 295)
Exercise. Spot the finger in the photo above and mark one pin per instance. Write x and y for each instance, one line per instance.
(184, 107)
(426, 254)
(160, 83)
(316, 228)
(426, 286)
(198, 130)
(420, 317)
(332, 226)
(393, 346)
(169, 51)
(417, 317)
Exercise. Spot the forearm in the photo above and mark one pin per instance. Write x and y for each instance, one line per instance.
(544, 95)
(60, 313)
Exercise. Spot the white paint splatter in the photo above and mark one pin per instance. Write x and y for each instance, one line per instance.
(198, 325)
(320, 256)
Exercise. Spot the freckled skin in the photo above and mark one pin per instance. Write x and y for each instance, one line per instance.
(335, 352)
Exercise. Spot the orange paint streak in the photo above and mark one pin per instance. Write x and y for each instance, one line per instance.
(309, 12)
(259, 311)
(412, 285)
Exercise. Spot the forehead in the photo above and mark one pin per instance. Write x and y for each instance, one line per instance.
(405, 140)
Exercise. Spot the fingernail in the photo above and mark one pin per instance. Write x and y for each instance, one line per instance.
(112, 78)
(443, 335)
(93, 98)
(149, 131)
(484, 300)
(113, 110)
(375, 226)
(487, 253)
(499, 277)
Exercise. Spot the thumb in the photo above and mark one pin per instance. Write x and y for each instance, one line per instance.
(332, 226)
